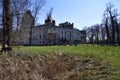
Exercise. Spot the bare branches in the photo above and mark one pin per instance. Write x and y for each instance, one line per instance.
(36, 6)
(108, 31)
(13, 12)
(19, 6)
(19, 9)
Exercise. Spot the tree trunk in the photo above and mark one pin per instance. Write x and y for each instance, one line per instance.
(118, 33)
(113, 28)
(30, 38)
(107, 31)
(6, 26)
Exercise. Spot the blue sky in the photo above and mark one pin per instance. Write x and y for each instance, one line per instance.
(80, 12)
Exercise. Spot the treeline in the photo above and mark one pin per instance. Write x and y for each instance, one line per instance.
(108, 32)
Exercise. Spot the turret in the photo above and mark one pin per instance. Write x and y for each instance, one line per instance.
(49, 21)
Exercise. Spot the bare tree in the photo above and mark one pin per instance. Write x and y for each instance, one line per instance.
(12, 13)
(117, 31)
(19, 8)
(103, 34)
(7, 25)
(109, 38)
(35, 9)
(110, 16)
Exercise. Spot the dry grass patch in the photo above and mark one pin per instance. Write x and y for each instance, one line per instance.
(26, 66)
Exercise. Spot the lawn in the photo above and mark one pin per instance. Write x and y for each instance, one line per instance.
(91, 51)
(109, 55)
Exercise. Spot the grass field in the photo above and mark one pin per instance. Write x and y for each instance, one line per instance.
(109, 55)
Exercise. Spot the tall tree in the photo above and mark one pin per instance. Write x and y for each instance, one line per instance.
(19, 8)
(109, 39)
(12, 13)
(111, 16)
(117, 31)
(35, 8)
(6, 33)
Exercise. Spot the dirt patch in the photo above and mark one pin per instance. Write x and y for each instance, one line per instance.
(25, 66)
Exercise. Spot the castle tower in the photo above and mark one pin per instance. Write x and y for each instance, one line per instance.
(49, 21)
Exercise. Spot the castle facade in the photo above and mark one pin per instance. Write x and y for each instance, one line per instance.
(49, 33)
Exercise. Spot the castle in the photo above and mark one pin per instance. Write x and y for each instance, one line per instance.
(49, 33)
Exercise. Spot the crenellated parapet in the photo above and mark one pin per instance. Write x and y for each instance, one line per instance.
(66, 25)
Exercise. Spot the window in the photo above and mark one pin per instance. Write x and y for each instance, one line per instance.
(62, 31)
(36, 37)
(40, 37)
(33, 37)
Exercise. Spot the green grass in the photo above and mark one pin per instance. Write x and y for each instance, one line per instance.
(109, 55)
(106, 53)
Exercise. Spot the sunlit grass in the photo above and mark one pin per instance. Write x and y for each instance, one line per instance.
(107, 56)
(110, 53)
